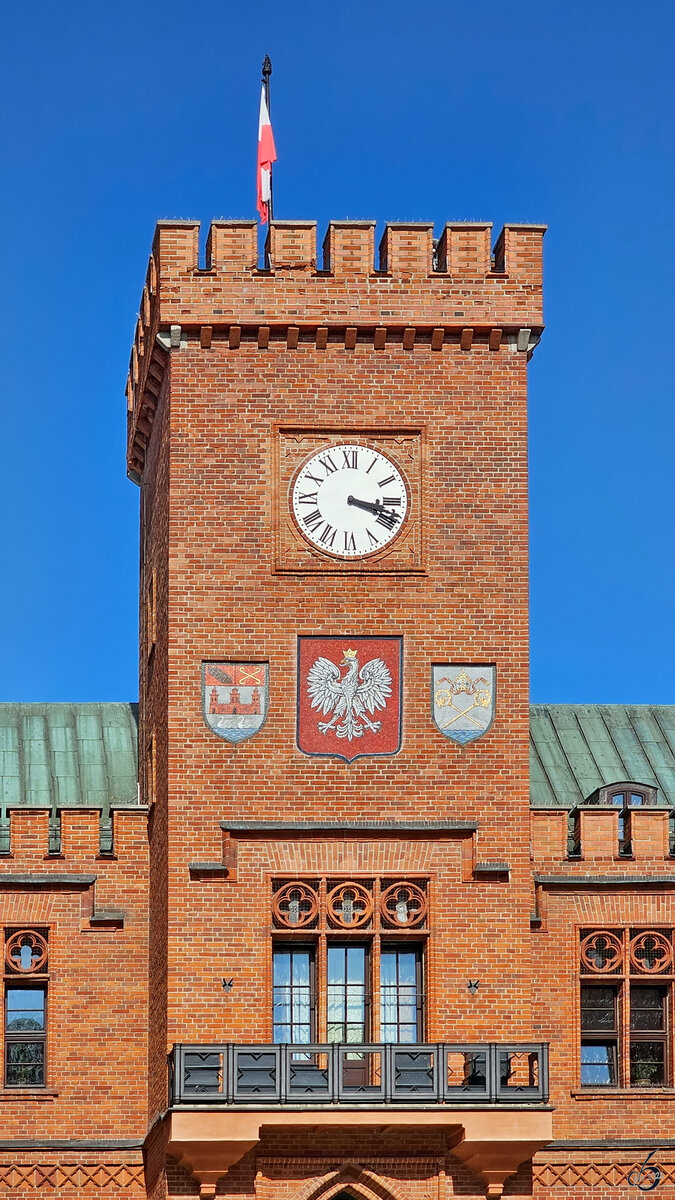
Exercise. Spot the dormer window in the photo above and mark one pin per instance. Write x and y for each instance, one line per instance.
(625, 794)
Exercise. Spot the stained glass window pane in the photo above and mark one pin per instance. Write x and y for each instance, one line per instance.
(598, 1008)
(18, 1021)
(25, 1064)
(647, 1009)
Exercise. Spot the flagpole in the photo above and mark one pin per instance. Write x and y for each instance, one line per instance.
(266, 72)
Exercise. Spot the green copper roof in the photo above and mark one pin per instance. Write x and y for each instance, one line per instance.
(576, 748)
(68, 755)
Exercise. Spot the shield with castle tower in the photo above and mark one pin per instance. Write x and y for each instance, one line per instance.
(234, 697)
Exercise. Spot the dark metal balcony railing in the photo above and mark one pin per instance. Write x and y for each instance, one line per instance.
(372, 1074)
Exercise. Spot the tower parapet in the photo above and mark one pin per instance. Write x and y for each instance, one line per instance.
(455, 290)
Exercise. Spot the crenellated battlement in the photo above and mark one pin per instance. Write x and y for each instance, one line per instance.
(73, 834)
(415, 292)
(41, 860)
(591, 837)
(406, 248)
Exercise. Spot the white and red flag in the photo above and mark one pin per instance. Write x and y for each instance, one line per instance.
(266, 156)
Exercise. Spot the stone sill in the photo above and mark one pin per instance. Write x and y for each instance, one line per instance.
(25, 1094)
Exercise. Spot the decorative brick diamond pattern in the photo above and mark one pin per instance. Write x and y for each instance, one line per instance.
(64, 1176)
(593, 1175)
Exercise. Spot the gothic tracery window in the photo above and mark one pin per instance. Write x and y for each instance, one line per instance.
(345, 977)
(625, 1007)
(25, 994)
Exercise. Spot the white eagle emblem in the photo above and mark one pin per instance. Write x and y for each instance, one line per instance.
(350, 696)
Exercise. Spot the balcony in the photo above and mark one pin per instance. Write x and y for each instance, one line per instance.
(376, 1074)
(491, 1097)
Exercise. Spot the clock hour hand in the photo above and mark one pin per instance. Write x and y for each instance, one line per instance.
(384, 516)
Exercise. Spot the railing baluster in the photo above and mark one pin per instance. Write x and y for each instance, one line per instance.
(336, 1067)
(285, 1073)
(493, 1073)
(229, 1079)
(389, 1073)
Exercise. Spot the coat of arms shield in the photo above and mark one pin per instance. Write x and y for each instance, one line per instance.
(463, 700)
(234, 698)
(349, 696)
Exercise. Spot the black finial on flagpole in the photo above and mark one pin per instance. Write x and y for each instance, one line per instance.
(266, 72)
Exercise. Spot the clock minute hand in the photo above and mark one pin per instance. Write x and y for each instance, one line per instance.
(377, 508)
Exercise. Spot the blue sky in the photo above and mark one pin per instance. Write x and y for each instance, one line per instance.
(118, 114)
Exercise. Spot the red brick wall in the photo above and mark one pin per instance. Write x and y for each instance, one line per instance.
(153, 736)
(575, 902)
(226, 602)
(97, 986)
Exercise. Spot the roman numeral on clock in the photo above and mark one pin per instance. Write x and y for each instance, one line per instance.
(328, 464)
(327, 535)
(308, 498)
(311, 520)
(388, 519)
(391, 501)
(389, 479)
(350, 541)
(351, 458)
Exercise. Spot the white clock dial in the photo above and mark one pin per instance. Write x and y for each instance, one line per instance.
(349, 501)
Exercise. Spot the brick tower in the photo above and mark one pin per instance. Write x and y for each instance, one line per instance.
(334, 710)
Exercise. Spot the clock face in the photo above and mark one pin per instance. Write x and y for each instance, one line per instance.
(349, 500)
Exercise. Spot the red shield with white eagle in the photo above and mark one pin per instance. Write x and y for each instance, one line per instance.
(349, 696)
